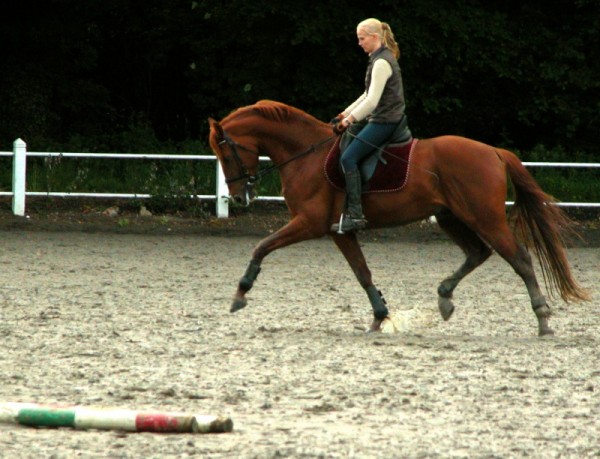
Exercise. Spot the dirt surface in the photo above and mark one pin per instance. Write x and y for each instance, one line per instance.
(132, 312)
(259, 220)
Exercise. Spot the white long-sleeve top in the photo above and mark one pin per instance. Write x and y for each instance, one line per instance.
(366, 103)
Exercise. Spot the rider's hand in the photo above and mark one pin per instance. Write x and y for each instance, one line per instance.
(336, 119)
(339, 128)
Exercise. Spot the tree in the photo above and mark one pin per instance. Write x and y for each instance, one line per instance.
(132, 74)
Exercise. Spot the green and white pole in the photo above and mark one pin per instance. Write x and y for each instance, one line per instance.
(79, 417)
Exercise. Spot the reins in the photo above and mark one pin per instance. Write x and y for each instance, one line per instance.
(252, 179)
(261, 173)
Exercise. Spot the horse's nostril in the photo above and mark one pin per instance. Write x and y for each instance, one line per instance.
(237, 199)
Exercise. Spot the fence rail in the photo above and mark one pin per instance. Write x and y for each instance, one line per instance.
(19, 192)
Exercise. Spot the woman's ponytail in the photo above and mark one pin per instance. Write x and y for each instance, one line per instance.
(388, 39)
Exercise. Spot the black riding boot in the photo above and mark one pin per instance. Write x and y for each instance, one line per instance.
(353, 218)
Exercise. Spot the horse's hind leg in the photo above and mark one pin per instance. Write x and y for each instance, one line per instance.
(348, 245)
(505, 243)
(522, 265)
(476, 252)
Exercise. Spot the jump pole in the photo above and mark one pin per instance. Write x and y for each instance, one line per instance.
(79, 417)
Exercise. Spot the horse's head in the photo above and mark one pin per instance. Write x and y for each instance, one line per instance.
(273, 129)
(238, 156)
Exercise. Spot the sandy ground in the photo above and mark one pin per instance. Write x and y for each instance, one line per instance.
(141, 321)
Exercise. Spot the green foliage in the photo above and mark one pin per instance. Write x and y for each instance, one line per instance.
(269, 185)
(98, 74)
(141, 176)
(113, 76)
(565, 184)
(572, 185)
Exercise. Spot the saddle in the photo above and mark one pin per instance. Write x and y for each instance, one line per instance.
(385, 170)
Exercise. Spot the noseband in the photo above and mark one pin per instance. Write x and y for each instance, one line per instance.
(245, 173)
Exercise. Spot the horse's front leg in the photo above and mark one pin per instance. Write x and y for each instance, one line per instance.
(348, 245)
(245, 284)
(291, 233)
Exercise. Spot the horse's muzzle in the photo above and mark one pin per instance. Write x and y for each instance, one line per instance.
(244, 198)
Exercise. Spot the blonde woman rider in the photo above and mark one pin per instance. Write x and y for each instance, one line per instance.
(381, 105)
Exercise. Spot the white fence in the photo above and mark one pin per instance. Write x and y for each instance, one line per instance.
(19, 191)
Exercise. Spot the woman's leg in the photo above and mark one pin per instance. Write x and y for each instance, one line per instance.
(367, 140)
(373, 135)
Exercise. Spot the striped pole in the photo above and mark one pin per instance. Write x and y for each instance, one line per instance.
(79, 417)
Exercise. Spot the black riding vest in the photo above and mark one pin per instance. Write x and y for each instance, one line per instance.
(390, 108)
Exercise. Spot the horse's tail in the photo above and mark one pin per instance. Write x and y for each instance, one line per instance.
(542, 225)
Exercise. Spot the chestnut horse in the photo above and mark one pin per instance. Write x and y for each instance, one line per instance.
(460, 181)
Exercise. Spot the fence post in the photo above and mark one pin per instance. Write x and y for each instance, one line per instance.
(19, 174)
(222, 194)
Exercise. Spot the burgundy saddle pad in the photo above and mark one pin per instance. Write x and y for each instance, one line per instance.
(386, 178)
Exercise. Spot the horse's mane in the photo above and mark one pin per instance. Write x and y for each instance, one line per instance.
(274, 111)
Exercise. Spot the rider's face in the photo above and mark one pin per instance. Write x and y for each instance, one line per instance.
(368, 42)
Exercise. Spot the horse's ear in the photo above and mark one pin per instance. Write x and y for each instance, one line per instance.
(216, 127)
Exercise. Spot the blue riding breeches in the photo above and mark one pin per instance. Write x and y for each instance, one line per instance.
(373, 135)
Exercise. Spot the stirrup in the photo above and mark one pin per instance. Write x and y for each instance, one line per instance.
(348, 224)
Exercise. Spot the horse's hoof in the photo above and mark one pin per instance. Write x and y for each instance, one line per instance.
(238, 303)
(375, 326)
(545, 330)
(446, 307)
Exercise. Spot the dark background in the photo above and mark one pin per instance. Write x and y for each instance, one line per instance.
(132, 75)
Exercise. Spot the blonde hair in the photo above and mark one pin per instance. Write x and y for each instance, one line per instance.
(374, 26)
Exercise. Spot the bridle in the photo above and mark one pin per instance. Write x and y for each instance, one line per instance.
(245, 173)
